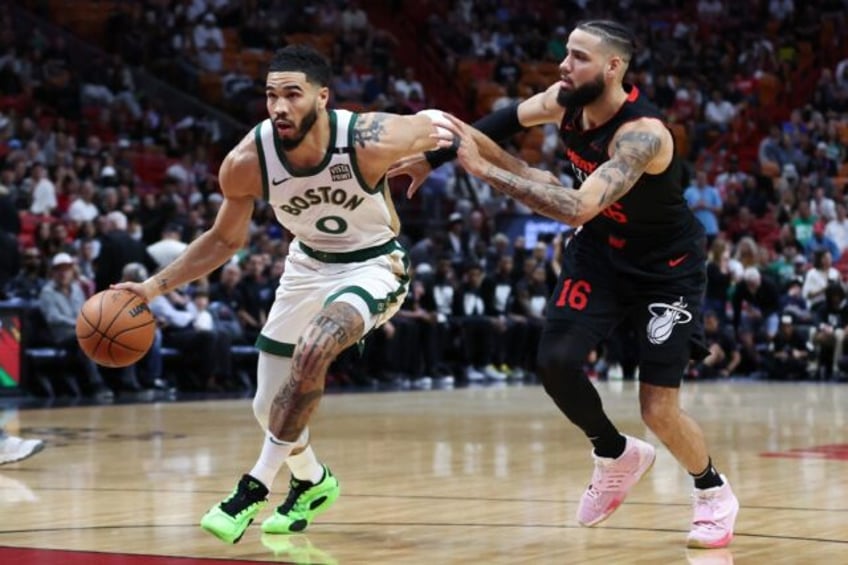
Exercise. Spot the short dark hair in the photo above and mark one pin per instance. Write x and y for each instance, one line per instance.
(613, 33)
(305, 59)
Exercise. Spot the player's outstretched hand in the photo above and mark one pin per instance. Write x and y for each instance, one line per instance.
(415, 167)
(456, 134)
(134, 287)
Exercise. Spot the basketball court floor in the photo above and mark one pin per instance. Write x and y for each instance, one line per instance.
(473, 476)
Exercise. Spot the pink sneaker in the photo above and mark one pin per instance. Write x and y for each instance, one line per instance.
(715, 515)
(612, 479)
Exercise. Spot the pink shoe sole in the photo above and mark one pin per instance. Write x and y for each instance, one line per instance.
(718, 544)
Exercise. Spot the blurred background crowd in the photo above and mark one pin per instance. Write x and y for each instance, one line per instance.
(114, 116)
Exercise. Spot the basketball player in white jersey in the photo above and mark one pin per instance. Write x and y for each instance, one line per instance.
(323, 171)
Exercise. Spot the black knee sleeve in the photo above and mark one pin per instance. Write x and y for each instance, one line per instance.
(560, 366)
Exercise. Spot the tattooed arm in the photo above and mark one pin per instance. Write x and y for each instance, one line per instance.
(639, 146)
(240, 181)
(381, 139)
(334, 329)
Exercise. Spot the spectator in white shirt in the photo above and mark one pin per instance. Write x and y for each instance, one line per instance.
(83, 208)
(719, 112)
(43, 191)
(781, 9)
(169, 247)
(405, 85)
(182, 170)
(821, 206)
(817, 278)
(837, 228)
(209, 43)
(353, 18)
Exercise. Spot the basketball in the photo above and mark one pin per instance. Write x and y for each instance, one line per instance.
(115, 328)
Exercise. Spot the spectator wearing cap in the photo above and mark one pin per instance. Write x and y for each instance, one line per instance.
(60, 301)
(788, 356)
(108, 176)
(756, 302)
(117, 248)
(169, 247)
(792, 302)
(817, 278)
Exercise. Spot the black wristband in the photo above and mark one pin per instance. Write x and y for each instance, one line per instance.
(438, 157)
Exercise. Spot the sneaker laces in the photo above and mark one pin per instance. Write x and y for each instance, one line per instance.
(707, 506)
(248, 491)
(296, 488)
(607, 477)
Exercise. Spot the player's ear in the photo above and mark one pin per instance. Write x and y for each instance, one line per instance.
(614, 64)
(323, 97)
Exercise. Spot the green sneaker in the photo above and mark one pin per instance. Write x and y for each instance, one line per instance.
(228, 520)
(304, 502)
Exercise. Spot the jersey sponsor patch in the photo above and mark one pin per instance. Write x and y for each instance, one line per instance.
(663, 319)
(340, 172)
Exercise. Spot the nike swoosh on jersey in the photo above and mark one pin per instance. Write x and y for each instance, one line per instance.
(675, 262)
(277, 182)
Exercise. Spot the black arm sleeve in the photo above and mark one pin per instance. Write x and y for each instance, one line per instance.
(499, 125)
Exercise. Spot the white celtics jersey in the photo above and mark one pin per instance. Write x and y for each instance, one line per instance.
(328, 207)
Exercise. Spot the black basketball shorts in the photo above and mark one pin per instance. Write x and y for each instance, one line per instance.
(593, 295)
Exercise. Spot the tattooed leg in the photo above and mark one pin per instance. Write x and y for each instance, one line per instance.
(334, 329)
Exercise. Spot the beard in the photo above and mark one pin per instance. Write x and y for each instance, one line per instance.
(582, 95)
(305, 125)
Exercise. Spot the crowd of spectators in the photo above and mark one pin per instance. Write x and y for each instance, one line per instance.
(74, 198)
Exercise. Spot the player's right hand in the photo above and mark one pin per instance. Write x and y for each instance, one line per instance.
(415, 167)
(134, 287)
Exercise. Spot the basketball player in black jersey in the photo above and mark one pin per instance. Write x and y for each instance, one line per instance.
(638, 255)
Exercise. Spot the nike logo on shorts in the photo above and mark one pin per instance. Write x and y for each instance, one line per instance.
(675, 262)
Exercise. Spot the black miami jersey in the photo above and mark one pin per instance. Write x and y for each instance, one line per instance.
(652, 224)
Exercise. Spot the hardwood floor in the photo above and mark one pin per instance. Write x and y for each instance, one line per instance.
(474, 475)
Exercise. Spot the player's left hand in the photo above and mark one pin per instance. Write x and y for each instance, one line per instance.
(415, 167)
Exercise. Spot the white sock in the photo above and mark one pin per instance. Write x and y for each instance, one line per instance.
(273, 455)
(305, 466)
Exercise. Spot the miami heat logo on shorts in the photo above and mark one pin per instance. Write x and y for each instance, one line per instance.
(663, 319)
